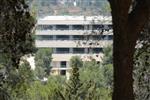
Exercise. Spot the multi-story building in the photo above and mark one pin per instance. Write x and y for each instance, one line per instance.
(68, 36)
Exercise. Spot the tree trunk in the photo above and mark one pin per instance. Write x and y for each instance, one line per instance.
(123, 66)
(127, 24)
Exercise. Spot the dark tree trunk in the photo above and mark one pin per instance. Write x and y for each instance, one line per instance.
(123, 65)
(127, 25)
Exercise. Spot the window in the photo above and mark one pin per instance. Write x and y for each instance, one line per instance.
(107, 37)
(62, 37)
(97, 37)
(97, 50)
(78, 37)
(44, 37)
(62, 27)
(62, 72)
(97, 27)
(62, 50)
(110, 26)
(44, 27)
(78, 27)
(63, 64)
(78, 50)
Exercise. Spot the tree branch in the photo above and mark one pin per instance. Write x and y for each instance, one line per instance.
(122, 6)
(139, 16)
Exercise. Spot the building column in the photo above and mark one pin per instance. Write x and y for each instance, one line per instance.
(70, 27)
(54, 50)
(86, 50)
(54, 37)
(71, 37)
(85, 27)
(71, 50)
(90, 27)
(54, 27)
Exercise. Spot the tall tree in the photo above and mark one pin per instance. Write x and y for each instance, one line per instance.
(43, 59)
(16, 28)
(128, 21)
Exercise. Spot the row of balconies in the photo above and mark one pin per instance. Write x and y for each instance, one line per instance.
(77, 50)
(73, 37)
(74, 27)
(72, 43)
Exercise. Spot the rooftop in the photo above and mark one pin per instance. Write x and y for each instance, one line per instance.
(75, 20)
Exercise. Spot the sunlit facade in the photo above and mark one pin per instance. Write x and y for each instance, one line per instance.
(68, 36)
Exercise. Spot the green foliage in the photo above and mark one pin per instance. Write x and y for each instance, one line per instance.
(43, 62)
(107, 67)
(76, 62)
(83, 7)
(92, 71)
(75, 89)
(142, 66)
(107, 71)
(25, 77)
(16, 40)
(16, 28)
(45, 90)
(73, 85)
(99, 74)
(108, 58)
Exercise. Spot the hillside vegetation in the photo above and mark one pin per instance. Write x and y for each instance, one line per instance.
(71, 7)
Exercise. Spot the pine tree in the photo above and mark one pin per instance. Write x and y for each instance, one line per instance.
(16, 28)
(16, 40)
(74, 89)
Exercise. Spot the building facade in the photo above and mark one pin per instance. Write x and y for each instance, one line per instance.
(68, 36)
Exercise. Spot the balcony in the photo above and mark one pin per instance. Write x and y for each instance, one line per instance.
(71, 43)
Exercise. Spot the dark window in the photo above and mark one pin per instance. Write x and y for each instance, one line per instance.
(107, 37)
(44, 37)
(78, 27)
(62, 37)
(78, 37)
(63, 64)
(98, 62)
(97, 37)
(97, 50)
(78, 50)
(62, 72)
(110, 26)
(44, 27)
(62, 50)
(62, 27)
(97, 27)
(106, 28)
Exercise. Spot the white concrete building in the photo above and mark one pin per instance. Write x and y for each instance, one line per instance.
(73, 35)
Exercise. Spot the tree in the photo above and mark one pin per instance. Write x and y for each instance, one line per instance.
(129, 17)
(107, 58)
(74, 89)
(107, 69)
(25, 78)
(101, 74)
(142, 65)
(43, 62)
(16, 40)
(16, 28)
(74, 83)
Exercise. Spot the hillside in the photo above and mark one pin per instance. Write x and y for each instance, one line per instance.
(70, 7)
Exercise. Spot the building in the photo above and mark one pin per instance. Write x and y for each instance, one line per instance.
(73, 36)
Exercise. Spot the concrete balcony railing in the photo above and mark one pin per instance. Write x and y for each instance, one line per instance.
(72, 43)
(84, 57)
